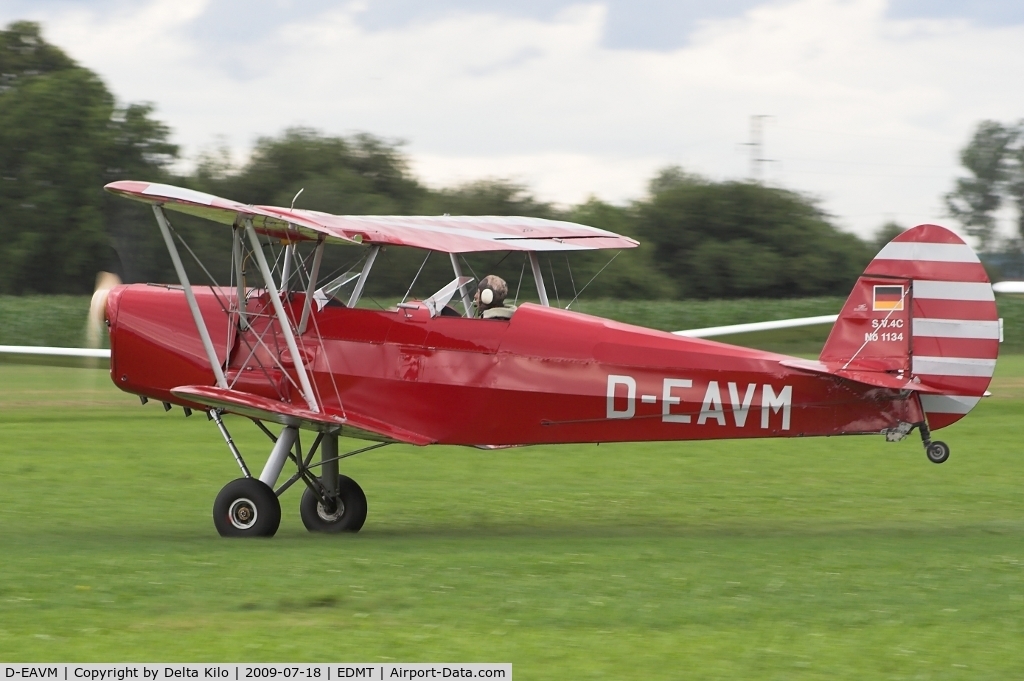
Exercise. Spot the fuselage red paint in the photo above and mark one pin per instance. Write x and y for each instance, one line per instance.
(542, 377)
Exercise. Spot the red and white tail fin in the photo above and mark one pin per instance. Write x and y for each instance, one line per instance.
(924, 310)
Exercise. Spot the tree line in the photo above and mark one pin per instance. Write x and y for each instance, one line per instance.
(994, 159)
(63, 136)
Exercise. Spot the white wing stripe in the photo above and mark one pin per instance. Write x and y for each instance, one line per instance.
(547, 244)
(179, 193)
(916, 250)
(1008, 287)
(953, 290)
(948, 404)
(711, 331)
(53, 352)
(456, 224)
(954, 366)
(956, 328)
(561, 243)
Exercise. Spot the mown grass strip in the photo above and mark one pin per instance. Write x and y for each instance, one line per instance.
(838, 558)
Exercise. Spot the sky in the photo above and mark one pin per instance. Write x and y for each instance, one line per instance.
(862, 104)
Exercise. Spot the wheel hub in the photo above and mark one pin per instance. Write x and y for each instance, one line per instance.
(242, 513)
(332, 512)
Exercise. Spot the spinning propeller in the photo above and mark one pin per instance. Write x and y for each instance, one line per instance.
(94, 325)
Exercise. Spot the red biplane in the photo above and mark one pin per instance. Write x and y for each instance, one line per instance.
(914, 346)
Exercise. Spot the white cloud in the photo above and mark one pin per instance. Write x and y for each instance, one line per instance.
(869, 112)
(569, 178)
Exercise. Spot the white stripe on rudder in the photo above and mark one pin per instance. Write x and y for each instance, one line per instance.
(956, 328)
(914, 250)
(953, 290)
(948, 404)
(954, 366)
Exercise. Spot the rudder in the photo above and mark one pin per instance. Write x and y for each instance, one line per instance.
(924, 309)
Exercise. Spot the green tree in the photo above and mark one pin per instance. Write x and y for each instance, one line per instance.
(1014, 185)
(629, 273)
(886, 233)
(61, 139)
(993, 157)
(632, 274)
(24, 54)
(487, 197)
(356, 175)
(731, 239)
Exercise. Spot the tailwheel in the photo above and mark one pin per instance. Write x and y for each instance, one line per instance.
(344, 512)
(937, 451)
(246, 507)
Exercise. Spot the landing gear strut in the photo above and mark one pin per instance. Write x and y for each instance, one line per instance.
(345, 511)
(936, 451)
(331, 503)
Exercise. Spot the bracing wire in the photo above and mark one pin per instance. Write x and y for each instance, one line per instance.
(554, 282)
(347, 267)
(520, 284)
(571, 280)
(234, 290)
(327, 361)
(505, 257)
(470, 266)
(225, 307)
(375, 301)
(422, 264)
(593, 278)
(194, 256)
(882, 326)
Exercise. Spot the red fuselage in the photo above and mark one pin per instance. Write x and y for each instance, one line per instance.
(545, 376)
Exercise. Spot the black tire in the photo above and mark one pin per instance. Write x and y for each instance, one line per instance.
(247, 508)
(348, 517)
(937, 452)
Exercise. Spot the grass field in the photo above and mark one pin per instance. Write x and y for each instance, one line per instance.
(844, 558)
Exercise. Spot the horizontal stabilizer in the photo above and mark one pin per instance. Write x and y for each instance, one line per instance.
(878, 379)
(265, 409)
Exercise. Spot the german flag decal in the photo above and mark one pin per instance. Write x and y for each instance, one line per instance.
(888, 298)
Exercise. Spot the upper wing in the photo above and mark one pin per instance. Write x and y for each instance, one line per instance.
(447, 233)
(294, 227)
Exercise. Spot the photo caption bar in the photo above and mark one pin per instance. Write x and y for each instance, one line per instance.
(335, 671)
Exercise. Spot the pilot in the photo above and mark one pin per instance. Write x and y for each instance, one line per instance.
(490, 298)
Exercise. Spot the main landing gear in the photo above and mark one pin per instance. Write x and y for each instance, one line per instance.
(331, 503)
(345, 511)
(246, 507)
